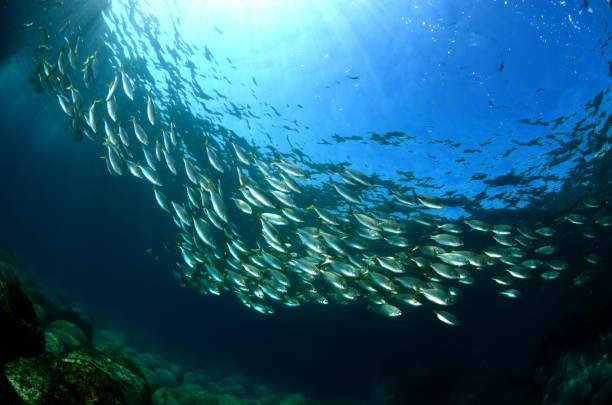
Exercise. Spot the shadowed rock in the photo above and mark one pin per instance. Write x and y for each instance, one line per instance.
(45, 379)
(20, 332)
(125, 372)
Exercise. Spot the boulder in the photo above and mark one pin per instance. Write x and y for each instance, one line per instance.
(41, 313)
(70, 328)
(41, 295)
(295, 399)
(8, 272)
(192, 377)
(21, 335)
(186, 394)
(125, 372)
(192, 394)
(8, 396)
(164, 396)
(165, 378)
(62, 336)
(228, 399)
(45, 379)
(73, 314)
(6, 256)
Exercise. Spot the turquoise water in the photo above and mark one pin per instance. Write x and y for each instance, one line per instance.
(497, 110)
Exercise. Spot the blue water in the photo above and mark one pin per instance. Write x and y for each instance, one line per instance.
(501, 108)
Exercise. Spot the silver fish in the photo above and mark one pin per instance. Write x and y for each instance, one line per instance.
(150, 109)
(128, 86)
(213, 158)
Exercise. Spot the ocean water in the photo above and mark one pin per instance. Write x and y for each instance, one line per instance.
(499, 109)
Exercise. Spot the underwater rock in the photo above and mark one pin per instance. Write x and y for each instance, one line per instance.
(45, 298)
(227, 399)
(21, 334)
(8, 272)
(263, 393)
(164, 396)
(45, 379)
(62, 336)
(580, 379)
(150, 378)
(6, 256)
(187, 394)
(8, 396)
(192, 377)
(295, 399)
(73, 314)
(165, 377)
(121, 369)
(233, 384)
(111, 339)
(41, 313)
(54, 344)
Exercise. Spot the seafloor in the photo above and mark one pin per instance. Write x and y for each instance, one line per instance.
(53, 353)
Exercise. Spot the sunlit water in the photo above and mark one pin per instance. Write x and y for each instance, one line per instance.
(499, 109)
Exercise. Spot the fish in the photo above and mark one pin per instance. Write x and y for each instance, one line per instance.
(162, 200)
(140, 133)
(290, 182)
(284, 198)
(204, 233)
(218, 205)
(123, 135)
(151, 175)
(149, 158)
(447, 240)
(170, 161)
(361, 240)
(260, 196)
(447, 318)
(477, 225)
(604, 221)
(550, 275)
(190, 170)
(214, 160)
(173, 137)
(181, 213)
(111, 108)
(450, 227)
(65, 104)
(358, 177)
(128, 86)
(324, 215)
(545, 231)
(243, 206)
(240, 154)
(115, 159)
(344, 192)
(93, 116)
(386, 310)
(576, 219)
(150, 109)
(290, 168)
(511, 293)
(274, 218)
(429, 201)
(112, 87)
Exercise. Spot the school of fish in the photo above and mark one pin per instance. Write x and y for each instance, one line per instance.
(299, 253)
